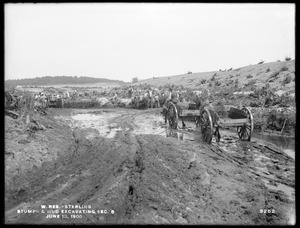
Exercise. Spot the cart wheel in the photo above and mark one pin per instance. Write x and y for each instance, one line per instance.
(172, 115)
(245, 131)
(197, 121)
(206, 125)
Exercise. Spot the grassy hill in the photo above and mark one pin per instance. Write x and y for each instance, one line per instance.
(279, 75)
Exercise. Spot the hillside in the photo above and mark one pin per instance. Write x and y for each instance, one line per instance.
(58, 80)
(279, 75)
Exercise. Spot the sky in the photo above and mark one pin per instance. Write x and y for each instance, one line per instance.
(144, 40)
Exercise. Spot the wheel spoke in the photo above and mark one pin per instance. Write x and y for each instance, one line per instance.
(239, 130)
(242, 133)
(246, 134)
(249, 134)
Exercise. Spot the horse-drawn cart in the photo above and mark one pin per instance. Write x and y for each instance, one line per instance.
(209, 121)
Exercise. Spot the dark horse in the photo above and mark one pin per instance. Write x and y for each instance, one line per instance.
(141, 102)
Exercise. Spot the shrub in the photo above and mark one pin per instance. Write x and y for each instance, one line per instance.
(287, 58)
(267, 70)
(236, 82)
(203, 81)
(249, 76)
(252, 82)
(286, 80)
(210, 84)
(252, 88)
(274, 75)
(213, 78)
(217, 83)
(284, 68)
(229, 82)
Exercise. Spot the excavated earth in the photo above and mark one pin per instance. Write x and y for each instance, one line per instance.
(128, 167)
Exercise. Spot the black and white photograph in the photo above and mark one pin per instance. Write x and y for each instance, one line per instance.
(149, 113)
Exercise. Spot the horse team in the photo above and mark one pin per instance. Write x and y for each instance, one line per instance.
(151, 98)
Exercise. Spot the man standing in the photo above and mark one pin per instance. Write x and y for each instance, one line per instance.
(130, 91)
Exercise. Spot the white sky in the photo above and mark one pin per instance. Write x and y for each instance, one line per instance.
(144, 40)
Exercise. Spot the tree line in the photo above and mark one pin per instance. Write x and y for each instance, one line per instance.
(56, 80)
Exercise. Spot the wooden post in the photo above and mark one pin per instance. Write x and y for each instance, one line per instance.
(29, 106)
(283, 126)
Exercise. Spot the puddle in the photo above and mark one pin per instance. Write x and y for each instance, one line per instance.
(180, 134)
(98, 121)
(151, 124)
(113, 132)
(286, 144)
(101, 122)
(84, 117)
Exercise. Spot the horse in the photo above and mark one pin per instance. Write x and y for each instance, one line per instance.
(154, 101)
(124, 102)
(140, 101)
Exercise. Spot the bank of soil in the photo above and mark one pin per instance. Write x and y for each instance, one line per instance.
(128, 162)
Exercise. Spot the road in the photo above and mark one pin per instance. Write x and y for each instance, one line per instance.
(126, 167)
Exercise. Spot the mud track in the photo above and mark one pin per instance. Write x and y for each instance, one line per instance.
(140, 176)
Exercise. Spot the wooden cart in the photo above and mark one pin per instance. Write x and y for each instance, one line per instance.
(209, 122)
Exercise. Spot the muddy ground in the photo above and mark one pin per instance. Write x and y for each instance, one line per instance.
(129, 164)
